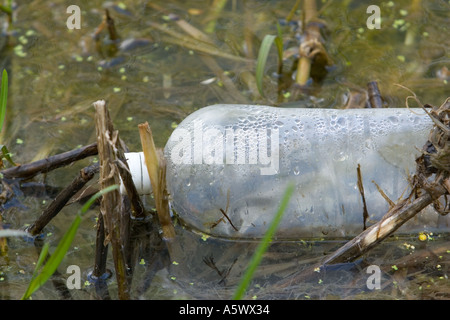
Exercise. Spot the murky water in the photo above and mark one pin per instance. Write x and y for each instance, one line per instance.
(56, 74)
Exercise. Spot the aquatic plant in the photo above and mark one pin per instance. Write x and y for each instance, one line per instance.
(3, 101)
(264, 244)
(263, 54)
(38, 279)
(7, 8)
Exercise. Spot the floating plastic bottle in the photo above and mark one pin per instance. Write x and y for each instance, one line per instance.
(228, 167)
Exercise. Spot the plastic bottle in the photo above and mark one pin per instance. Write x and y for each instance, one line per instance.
(237, 160)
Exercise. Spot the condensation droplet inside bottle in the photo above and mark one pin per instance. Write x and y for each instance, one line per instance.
(340, 156)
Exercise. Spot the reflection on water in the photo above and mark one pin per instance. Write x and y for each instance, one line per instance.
(160, 74)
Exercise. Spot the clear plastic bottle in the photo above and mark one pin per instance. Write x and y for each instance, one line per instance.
(237, 160)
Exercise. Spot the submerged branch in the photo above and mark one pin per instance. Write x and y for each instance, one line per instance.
(372, 236)
(195, 44)
(376, 233)
(28, 171)
(373, 92)
(199, 41)
(62, 198)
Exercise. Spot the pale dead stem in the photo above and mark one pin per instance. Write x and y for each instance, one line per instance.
(156, 168)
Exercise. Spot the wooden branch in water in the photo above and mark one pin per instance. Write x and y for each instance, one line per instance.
(363, 198)
(376, 233)
(111, 204)
(115, 225)
(113, 35)
(28, 171)
(62, 198)
(101, 250)
(369, 238)
(374, 95)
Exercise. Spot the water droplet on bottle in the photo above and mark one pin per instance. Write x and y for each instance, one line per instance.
(394, 120)
(340, 156)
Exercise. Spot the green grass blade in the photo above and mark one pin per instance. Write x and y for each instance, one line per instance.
(279, 44)
(62, 248)
(54, 260)
(6, 154)
(5, 9)
(3, 98)
(41, 259)
(262, 59)
(263, 245)
(264, 53)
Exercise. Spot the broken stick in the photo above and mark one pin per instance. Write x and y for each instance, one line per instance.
(62, 198)
(111, 204)
(28, 171)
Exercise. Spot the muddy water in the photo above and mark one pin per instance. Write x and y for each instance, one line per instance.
(56, 74)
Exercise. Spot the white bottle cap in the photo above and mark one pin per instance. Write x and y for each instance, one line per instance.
(139, 173)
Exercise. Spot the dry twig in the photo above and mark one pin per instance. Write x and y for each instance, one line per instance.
(111, 204)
